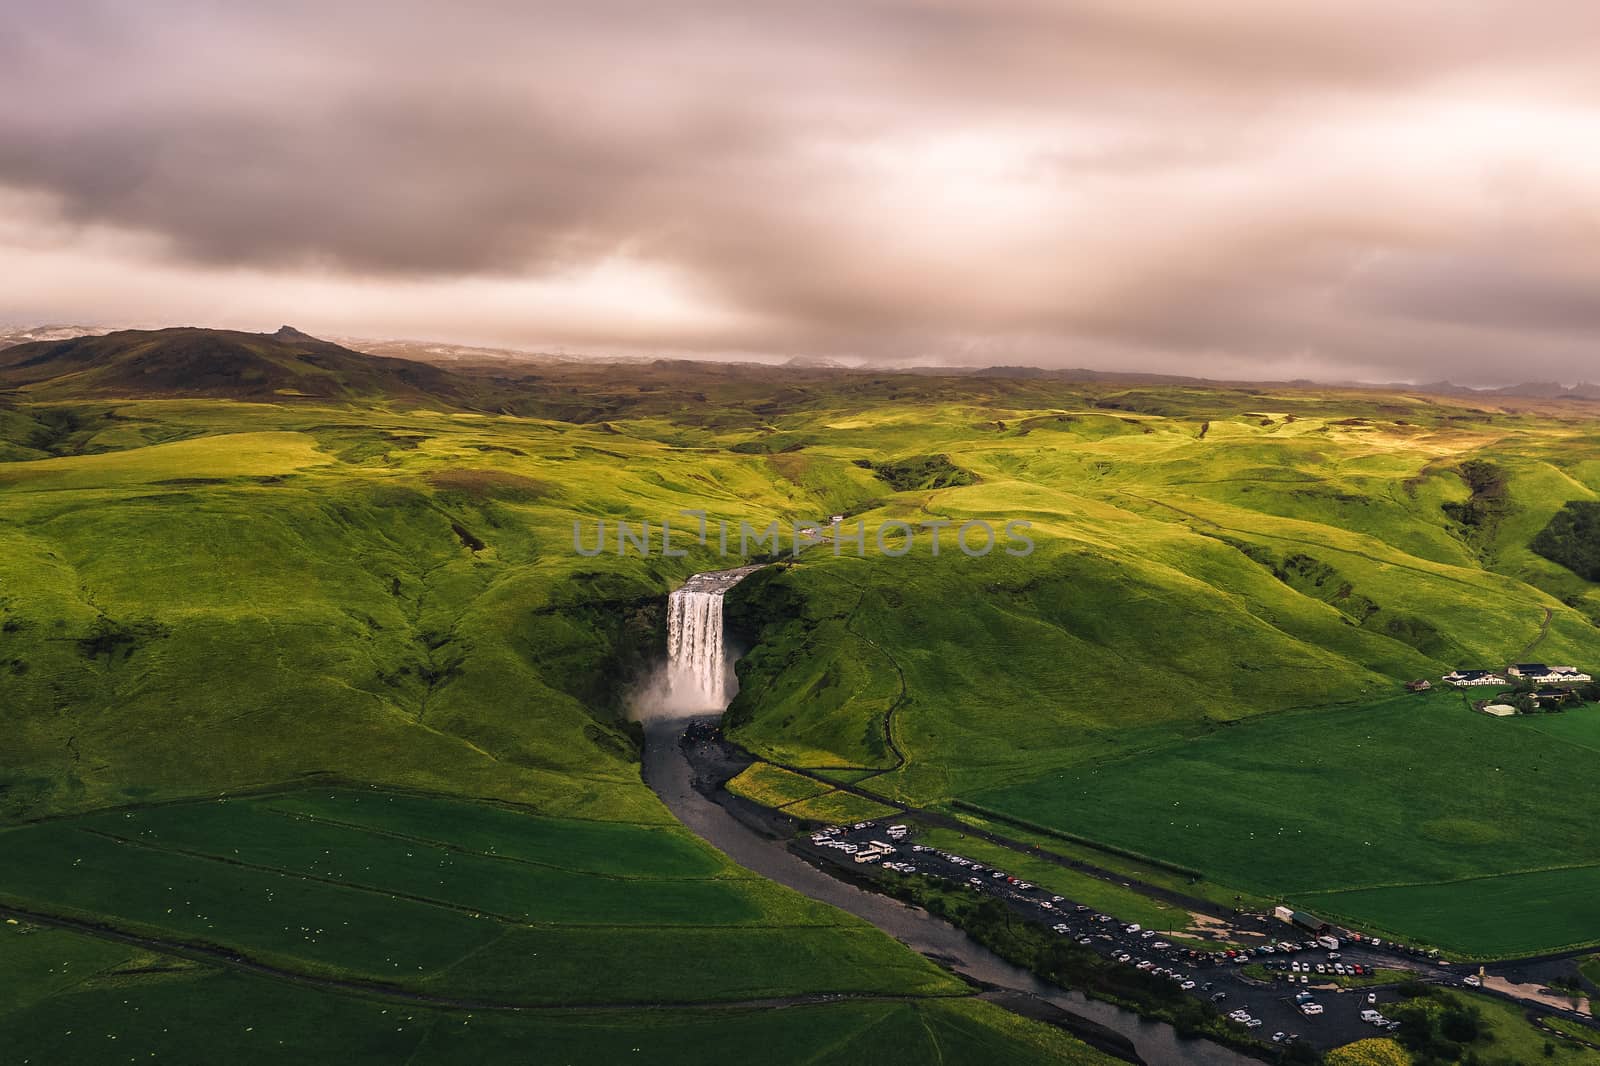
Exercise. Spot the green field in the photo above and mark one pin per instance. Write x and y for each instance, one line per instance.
(70, 998)
(838, 807)
(358, 616)
(1515, 1040)
(292, 884)
(1412, 814)
(773, 786)
(1108, 897)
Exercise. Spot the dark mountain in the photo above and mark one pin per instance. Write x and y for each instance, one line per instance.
(188, 361)
(1537, 390)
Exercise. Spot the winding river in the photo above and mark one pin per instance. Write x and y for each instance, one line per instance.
(668, 772)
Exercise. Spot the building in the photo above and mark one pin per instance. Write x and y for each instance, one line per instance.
(1540, 674)
(1466, 678)
(1300, 918)
(1421, 684)
(1499, 710)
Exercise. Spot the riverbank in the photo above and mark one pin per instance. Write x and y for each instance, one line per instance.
(753, 840)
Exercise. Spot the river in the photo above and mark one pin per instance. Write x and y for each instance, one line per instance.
(668, 772)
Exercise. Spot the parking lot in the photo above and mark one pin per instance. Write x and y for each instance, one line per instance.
(1299, 1002)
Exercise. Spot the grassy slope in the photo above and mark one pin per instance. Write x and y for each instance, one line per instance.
(368, 887)
(277, 590)
(201, 597)
(67, 998)
(1151, 615)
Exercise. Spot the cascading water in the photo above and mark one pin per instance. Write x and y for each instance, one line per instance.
(694, 650)
(697, 661)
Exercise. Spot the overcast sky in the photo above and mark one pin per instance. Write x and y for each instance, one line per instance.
(1354, 189)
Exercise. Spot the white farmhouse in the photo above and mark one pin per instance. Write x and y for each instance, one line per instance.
(1540, 674)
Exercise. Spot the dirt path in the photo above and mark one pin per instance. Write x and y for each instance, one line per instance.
(1537, 994)
(1544, 631)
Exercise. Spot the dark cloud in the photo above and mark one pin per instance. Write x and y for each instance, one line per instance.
(1246, 187)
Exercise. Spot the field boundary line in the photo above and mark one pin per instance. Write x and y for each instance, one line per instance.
(203, 952)
(474, 912)
(1076, 838)
(1531, 871)
(325, 779)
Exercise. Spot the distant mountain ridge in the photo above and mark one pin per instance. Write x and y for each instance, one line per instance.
(60, 361)
(191, 361)
(12, 335)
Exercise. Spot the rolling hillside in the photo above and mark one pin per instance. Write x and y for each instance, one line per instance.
(200, 594)
(310, 607)
(219, 363)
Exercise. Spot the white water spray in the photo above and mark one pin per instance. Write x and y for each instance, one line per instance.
(698, 666)
(694, 650)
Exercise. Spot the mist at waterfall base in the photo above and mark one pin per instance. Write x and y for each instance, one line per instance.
(698, 676)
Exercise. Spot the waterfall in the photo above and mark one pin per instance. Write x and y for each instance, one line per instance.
(697, 661)
(694, 650)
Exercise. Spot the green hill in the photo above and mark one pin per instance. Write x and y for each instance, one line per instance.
(219, 363)
(267, 587)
